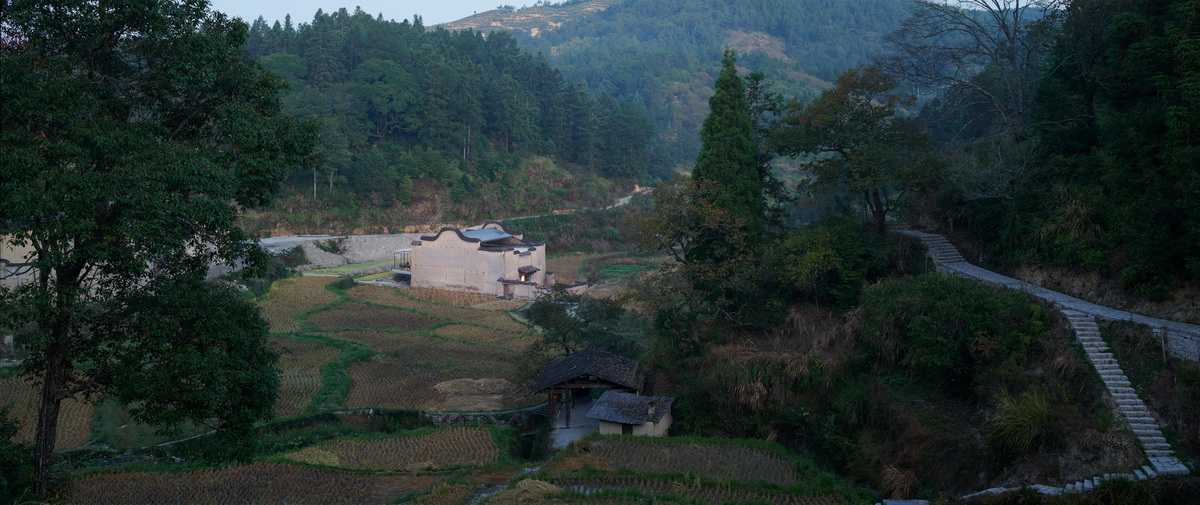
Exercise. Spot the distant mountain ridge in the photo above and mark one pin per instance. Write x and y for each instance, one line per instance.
(663, 55)
(531, 21)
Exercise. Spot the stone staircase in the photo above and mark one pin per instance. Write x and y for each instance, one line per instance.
(1160, 458)
(941, 249)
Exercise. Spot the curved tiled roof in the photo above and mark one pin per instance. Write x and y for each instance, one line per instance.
(592, 361)
(625, 408)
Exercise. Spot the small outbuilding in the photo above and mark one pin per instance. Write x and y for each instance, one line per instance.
(591, 368)
(630, 414)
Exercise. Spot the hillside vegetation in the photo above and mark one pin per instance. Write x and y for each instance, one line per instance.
(423, 125)
(661, 55)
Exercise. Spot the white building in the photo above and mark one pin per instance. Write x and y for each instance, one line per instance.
(488, 259)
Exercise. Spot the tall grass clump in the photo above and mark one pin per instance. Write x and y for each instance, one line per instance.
(1022, 424)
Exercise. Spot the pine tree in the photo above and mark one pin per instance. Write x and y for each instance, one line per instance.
(726, 167)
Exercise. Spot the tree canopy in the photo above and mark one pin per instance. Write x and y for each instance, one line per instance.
(854, 140)
(130, 137)
(402, 102)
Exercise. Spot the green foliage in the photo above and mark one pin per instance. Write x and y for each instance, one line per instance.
(128, 138)
(1022, 424)
(401, 102)
(332, 246)
(853, 141)
(220, 371)
(953, 334)
(656, 53)
(279, 266)
(726, 167)
(1112, 185)
(570, 323)
(831, 260)
(16, 463)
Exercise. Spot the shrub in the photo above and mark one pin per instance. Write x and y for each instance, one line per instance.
(950, 333)
(16, 462)
(1022, 424)
(830, 260)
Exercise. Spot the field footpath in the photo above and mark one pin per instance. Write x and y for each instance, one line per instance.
(1082, 315)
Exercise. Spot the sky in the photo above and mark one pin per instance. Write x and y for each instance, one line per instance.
(432, 12)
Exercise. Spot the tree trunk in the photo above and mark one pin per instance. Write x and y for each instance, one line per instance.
(47, 423)
(878, 211)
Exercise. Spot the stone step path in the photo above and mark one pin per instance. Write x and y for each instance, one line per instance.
(1141, 422)
(1182, 339)
(1082, 316)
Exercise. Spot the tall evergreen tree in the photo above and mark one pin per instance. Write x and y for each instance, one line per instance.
(727, 165)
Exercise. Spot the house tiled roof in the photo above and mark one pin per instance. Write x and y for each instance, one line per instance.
(528, 269)
(592, 361)
(625, 408)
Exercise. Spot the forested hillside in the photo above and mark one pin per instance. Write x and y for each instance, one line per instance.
(661, 55)
(1093, 165)
(437, 119)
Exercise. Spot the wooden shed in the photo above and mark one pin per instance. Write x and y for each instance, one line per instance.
(584, 370)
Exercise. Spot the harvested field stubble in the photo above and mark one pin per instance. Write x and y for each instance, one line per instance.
(293, 295)
(445, 494)
(483, 335)
(74, 417)
(357, 315)
(419, 349)
(499, 305)
(711, 461)
(392, 298)
(446, 297)
(704, 494)
(299, 373)
(255, 483)
(440, 449)
(396, 385)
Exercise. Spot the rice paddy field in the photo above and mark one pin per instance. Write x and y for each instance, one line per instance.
(369, 348)
(74, 421)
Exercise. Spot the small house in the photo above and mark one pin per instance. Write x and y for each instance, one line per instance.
(630, 414)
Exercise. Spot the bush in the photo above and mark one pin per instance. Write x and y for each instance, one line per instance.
(950, 333)
(831, 260)
(1023, 424)
(16, 462)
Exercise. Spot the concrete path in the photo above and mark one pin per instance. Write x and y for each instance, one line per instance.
(1181, 339)
(1082, 317)
(581, 425)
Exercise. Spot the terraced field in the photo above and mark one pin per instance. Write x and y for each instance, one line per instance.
(74, 420)
(254, 483)
(712, 471)
(371, 347)
(451, 447)
(300, 365)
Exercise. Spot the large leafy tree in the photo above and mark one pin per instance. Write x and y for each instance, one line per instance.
(855, 142)
(129, 133)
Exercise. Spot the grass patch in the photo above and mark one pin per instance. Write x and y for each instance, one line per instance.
(115, 427)
(379, 275)
(617, 271)
(345, 269)
(335, 379)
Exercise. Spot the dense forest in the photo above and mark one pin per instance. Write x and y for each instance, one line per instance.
(1092, 166)
(458, 112)
(661, 55)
